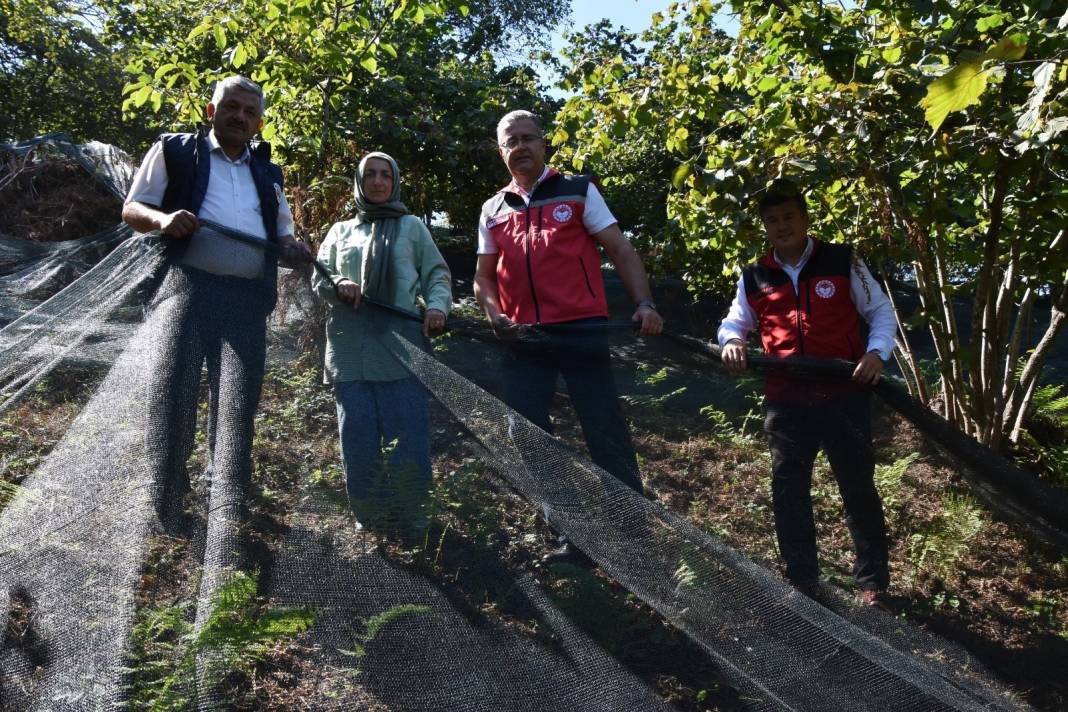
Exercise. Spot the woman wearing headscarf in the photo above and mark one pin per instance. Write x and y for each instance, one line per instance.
(383, 413)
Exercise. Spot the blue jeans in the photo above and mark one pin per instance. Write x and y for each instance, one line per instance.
(385, 444)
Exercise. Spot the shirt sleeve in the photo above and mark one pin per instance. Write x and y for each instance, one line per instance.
(150, 182)
(596, 216)
(327, 257)
(740, 319)
(435, 279)
(285, 214)
(875, 307)
(486, 245)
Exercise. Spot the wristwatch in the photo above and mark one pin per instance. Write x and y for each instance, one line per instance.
(646, 303)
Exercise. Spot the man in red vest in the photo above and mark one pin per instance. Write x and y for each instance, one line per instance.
(806, 297)
(539, 264)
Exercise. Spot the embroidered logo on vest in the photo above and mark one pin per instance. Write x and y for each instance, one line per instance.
(825, 288)
(562, 213)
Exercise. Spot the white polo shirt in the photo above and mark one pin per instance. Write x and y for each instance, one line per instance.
(231, 199)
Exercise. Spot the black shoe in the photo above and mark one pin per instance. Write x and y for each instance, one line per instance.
(567, 553)
(811, 589)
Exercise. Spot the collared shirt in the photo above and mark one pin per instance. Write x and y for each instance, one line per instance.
(595, 217)
(868, 297)
(231, 199)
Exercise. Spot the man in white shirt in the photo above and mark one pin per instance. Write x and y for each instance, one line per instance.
(215, 296)
(806, 297)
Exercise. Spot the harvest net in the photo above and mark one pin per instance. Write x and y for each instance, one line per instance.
(99, 614)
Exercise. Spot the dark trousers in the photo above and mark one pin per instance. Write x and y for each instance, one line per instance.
(582, 357)
(842, 427)
(200, 318)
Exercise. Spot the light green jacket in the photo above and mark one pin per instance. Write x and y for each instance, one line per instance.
(355, 349)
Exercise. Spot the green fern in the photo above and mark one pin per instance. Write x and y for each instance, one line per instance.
(888, 479)
(8, 492)
(939, 549)
(374, 625)
(237, 633)
(1045, 441)
(1050, 402)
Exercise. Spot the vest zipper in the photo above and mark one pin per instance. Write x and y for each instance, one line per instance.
(797, 312)
(585, 276)
(530, 271)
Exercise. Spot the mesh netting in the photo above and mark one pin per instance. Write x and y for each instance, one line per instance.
(76, 540)
(99, 612)
(108, 164)
(781, 648)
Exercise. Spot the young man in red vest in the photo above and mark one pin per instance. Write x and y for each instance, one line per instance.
(806, 297)
(539, 264)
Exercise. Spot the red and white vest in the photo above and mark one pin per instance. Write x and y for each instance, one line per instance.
(819, 319)
(548, 267)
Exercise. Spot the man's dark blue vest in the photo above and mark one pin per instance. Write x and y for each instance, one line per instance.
(188, 161)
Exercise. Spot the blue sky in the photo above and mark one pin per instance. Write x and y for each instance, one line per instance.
(635, 15)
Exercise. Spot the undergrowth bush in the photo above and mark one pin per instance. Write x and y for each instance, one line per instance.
(236, 635)
(888, 479)
(938, 549)
(1045, 441)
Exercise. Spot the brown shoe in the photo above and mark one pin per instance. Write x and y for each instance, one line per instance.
(875, 598)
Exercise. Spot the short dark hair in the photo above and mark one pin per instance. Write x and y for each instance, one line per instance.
(782, 190)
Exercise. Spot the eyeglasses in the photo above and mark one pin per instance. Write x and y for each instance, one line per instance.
(514, 142)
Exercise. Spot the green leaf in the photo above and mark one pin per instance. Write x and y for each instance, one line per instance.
(990, 22)
(767, 83)
(1011, 47)
(807, 166)
(140, 96)
(891, 55)
(370, 64)
(197, 31)
(1043, 75)
(464, 10)
(220, 37)
(679, 176)
(164, 70)
(958, 88)
(240, 56)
